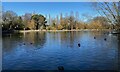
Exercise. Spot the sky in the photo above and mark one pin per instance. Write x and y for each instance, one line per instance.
(52, 8)
(60, 0)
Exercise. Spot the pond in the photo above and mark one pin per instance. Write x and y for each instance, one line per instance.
(47, 50)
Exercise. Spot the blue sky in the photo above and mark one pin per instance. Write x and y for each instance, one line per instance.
(52, 8)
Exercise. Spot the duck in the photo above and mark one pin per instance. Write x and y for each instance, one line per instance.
(60, 68)
(23, 43)
(94, 37)
(31, 43)
(105, 39)
(78, 44)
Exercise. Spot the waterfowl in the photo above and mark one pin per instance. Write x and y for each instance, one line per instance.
(78, 44)
(60, 68)
(105, 39)
(94, 37)
(31, 43)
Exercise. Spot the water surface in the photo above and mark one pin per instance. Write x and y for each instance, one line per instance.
(48, 50)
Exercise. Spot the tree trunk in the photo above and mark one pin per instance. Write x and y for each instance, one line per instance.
(37, 26)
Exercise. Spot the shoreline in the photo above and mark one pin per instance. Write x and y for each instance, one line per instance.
(22, 31)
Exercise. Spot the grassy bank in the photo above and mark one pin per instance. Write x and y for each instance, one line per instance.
(21, 31)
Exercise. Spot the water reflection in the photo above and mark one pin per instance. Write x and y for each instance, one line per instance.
(48, 50)
(36, 39)
(84, 38)
(118, 51)
(10, 41)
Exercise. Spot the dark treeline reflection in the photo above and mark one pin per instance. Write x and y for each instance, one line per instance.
(36, 39)
(119, 52)
(10, 41)
(98, 50)
(71, 39)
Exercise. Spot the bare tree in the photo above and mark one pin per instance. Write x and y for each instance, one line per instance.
(76, 19)
(110, 10)
(61, 18)
(71, 19)
(57, 21)
(49, 19)
(77, 16)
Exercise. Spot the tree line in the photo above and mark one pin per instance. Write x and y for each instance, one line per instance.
(109, 19)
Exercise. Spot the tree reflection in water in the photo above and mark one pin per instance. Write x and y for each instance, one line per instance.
(118, 51)
(36, 39)
(10, 41)
(58, 49)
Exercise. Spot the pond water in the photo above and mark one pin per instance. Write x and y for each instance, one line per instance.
(48, 50)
